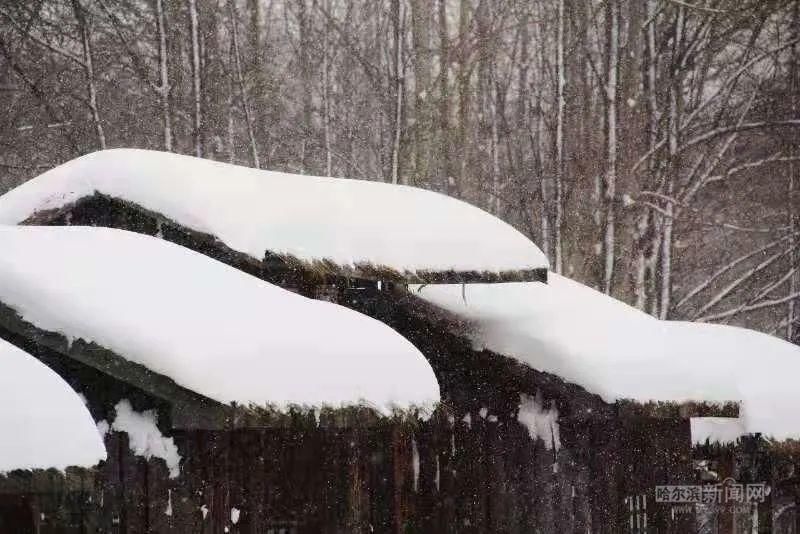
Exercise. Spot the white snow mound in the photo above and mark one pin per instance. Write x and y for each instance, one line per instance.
(348, 222)
(207, 326)
(144, 437)
(722, 430)
(43, 422)
(619, 352)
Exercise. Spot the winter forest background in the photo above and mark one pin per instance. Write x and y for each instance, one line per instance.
(650, 147)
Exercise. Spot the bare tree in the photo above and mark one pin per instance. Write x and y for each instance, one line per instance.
(196, 77)
(793, 189)
(163, 71)
(88, 66)
(649, 148)
(610, 176)
(421, 16)
(558, 200)
(240, 82)
(399, 75)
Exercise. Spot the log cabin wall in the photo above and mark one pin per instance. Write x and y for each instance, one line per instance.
(483, 479)
(444, 475)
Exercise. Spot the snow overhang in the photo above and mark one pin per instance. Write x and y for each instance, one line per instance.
(331, 226)
(624, 355)
(193, 330)
(43, 422)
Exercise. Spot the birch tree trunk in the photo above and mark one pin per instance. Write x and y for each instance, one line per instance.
(196, 88)
(793, 193)
(307, 82)
(88, 67)
(163, 70)
(463, 79)
(646, 253)
(326, 97)
(558, 189)
(231, 138)
(397, 15)
(538, 138)
(610, 177)
(421, 16)
(240, 82)
(445, 135)
(544, 219)
(494, 197)
(673, 133)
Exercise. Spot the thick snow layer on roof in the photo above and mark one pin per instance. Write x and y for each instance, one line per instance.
(618, 352)
(348, 222)
(43, 422)
(209, 327)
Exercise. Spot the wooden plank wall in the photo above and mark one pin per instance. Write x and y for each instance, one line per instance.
(485, 476)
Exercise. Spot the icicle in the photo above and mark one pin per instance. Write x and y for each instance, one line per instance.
(437, 475)
(415, 463)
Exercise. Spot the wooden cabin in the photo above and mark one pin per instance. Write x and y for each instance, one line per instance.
(510, 448)
(481, 462)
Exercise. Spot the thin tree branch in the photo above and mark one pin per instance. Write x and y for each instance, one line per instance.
(698, 8)
(41, 42)
(754, 307)
(727, 290)
(725, 268)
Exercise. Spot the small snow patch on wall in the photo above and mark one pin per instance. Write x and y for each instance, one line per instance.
(144, 436)
(541, 422)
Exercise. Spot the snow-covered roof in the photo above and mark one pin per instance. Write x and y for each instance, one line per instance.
(360, 227)
(210, 328)
(43, 422)
(619, 352)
